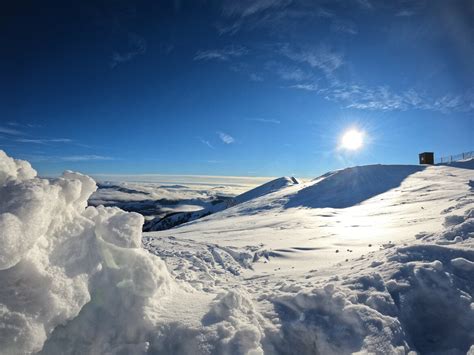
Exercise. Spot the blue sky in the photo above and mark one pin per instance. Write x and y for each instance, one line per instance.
(242, 88)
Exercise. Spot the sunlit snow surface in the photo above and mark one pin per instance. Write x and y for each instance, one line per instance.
(369, 259)
(362, 259)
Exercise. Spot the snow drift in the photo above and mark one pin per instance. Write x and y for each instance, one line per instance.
(75, 280)
(350, 186)
(57, 256)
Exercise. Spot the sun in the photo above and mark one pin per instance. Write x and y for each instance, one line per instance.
(352, 139)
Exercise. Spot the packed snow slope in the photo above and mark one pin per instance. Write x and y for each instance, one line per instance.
(323, 267)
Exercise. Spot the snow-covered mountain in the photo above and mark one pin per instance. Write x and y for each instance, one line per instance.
(373, 259)
(176, 218)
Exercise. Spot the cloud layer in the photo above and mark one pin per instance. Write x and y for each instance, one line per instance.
(223, 54)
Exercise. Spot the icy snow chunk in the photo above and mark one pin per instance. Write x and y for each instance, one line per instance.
(83, 188)
(460, 226)
(453, 220)
(324, 321)
(239, 324)
(26, 210)
(123, 230)
(434, 310)
(463, 264)
(14, 169)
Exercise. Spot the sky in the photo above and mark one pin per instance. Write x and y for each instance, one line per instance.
(240, 88)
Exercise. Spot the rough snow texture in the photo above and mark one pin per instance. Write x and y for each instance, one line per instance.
(61, 261)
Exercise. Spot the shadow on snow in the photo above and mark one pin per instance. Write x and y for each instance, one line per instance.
(348, 187)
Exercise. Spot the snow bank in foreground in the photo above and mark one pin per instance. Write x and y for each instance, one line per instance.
(57, 256)
(75, 280)
(420, 298)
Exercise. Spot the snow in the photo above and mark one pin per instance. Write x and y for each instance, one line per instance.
(365, 259)
(62, 263)
(375, 259)
(463, 264)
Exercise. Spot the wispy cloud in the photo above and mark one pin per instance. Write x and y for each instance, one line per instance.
(405, 13)
(44, 141)
(246, 8)
(307, 87)
(363, 97)
(383, 98)
(23, 125)
(11, 131)
(137, 45)
(325, 69)
(226, 138)
(365, 4)
(79, 158)
(67, 158)
(342, 26)
(250, 14)
(265, 120)
(205, 142)
(325, 13)
(321, 57)
(223, 54)
(287, 72)
(255, 77)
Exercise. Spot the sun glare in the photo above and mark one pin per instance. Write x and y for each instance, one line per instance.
(353, 139)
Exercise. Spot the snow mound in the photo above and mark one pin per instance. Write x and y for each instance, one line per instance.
(266, 189)
(330, 320)
(420, 298)
(65, 266)
(348, 187)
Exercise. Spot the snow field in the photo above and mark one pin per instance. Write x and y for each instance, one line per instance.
(388, 271)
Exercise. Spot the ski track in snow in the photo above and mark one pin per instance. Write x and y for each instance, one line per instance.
(375, 259)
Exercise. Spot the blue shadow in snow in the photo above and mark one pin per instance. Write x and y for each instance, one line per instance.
(348, 187)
